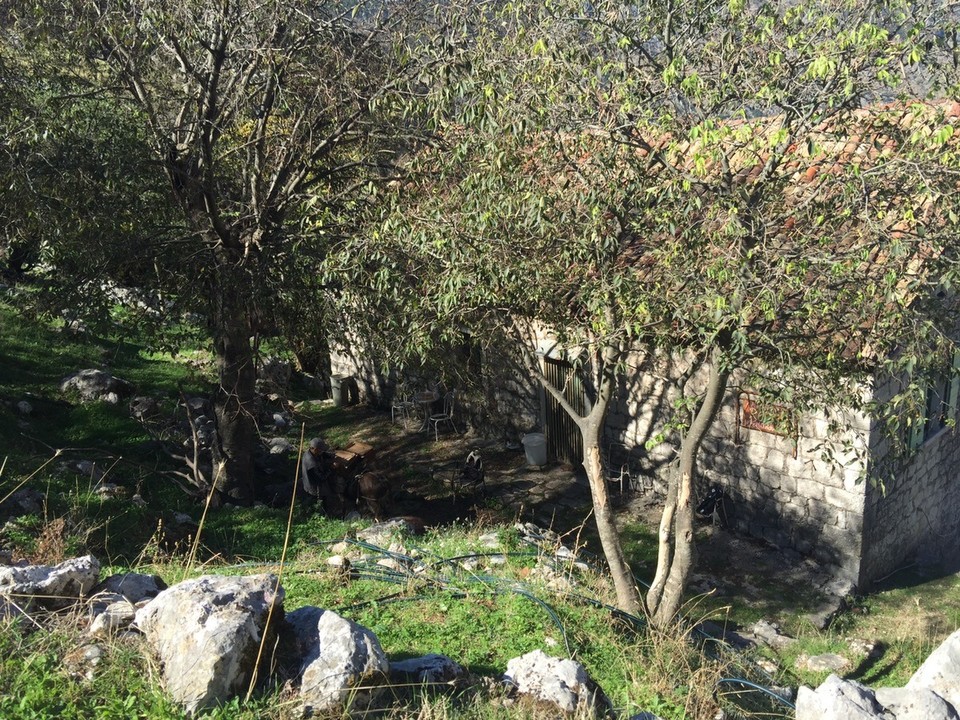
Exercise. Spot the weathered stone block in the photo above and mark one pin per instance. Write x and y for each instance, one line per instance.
(810, 489)
(776, 461)
(788, 484)
(843, 499)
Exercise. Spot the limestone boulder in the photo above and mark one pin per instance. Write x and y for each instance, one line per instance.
(207, 633)
(770, 635)
(342, 666)
(561, 682)
(113, 618)
(24, 501)
(915, 704)
(827, 662)
(143, 407)
(940, 672)
(838, 699)
(279, 446)
(383, 533)
(52, 586)
(96, 386)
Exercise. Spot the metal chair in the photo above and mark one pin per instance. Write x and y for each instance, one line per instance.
(437, 419)
(402, 405)
(622, 468)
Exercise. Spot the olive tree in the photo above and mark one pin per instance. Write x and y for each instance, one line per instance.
(267, 122)
(758, 187)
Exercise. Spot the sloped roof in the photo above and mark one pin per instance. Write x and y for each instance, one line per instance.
(813, 179)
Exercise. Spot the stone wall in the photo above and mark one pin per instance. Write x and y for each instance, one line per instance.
(497, 396)
(912, 511)
(362, 363)
(804, 492)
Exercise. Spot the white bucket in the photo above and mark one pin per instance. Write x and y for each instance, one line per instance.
(535, 448)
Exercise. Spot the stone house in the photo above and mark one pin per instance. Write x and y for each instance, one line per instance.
(827, 488)
(815, 487)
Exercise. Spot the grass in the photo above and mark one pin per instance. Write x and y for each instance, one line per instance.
(904, 621)
(479, 617)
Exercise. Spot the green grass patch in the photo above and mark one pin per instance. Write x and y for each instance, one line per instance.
(479, 617)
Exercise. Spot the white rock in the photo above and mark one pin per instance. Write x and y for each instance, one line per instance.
(279, 446)
(94, 385)
(343, 667)
(133, 586)
(114, 618)
(915, 704)
(52, 586)
(430, 669)
(828, 662)
(769, 634)
(940, 672)
(490, 540)
(838, 699)
(565, 683)
(207, 633)
(384, 533)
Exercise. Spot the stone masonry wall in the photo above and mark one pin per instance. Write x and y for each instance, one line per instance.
(912, 512)
(497, 397)
(362, 365)
(783, 490)
(786, 491)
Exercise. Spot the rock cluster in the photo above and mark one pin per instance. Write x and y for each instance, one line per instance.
(215, 636)
(96, 386)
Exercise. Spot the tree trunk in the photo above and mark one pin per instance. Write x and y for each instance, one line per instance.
(628, 597)
(591, 426)
(234, 399)
(666, 595)
(664, 549)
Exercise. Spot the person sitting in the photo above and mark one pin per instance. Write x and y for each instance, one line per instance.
(317, 474)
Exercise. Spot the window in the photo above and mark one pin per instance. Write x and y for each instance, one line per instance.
(941, 407)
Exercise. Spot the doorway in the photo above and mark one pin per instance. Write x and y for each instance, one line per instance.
(564, 442)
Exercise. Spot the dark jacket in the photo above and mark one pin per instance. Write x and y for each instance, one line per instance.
(315, 473)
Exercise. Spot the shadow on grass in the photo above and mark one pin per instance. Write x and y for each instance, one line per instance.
(876, 666)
